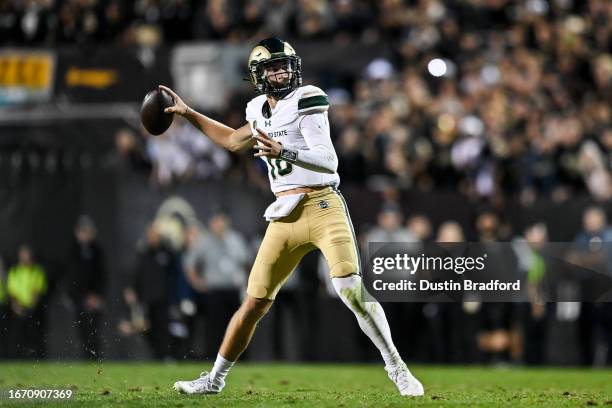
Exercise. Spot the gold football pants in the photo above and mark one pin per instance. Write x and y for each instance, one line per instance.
(321, 220)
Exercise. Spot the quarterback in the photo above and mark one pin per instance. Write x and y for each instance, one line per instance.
(287, 127)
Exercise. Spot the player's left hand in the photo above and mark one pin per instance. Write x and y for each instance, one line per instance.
(267, 146)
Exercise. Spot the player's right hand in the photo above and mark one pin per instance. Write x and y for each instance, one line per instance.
(179, 106)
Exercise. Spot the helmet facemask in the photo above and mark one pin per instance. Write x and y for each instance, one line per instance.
(277, 77)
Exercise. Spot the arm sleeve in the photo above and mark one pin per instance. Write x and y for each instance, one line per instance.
(320, 155)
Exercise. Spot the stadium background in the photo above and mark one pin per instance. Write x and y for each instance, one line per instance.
(440, 110)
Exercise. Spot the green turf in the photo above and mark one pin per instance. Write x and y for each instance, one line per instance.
(340, 385)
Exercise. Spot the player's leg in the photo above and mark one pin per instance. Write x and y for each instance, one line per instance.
(237, 337)
(242, 326)
(373, 322)
(334, 235)
(264, 283)
(275, 261)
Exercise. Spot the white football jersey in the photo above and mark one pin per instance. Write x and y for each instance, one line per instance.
(282, 124)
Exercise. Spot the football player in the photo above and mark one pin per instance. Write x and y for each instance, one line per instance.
(287, 126)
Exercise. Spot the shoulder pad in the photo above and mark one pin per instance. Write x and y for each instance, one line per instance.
(312, 100)
(253, 107)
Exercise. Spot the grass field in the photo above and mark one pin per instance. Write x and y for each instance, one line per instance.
(273, 385)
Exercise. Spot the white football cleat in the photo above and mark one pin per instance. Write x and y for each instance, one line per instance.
(406, 383)
(203, 385)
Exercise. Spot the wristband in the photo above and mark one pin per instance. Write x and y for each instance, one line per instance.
(288, 154)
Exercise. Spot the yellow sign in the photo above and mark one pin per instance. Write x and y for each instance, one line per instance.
(92, 78)
(22, 69)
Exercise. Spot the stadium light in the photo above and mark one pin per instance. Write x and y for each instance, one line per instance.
(437, 67)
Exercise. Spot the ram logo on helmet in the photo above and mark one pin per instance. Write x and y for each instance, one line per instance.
(269, 51)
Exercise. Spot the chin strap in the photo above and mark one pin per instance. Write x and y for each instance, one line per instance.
(278, 95)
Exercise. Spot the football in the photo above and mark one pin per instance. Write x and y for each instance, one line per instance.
(152, 114)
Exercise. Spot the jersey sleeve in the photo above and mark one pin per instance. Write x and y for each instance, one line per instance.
(320, 155)
(249, 114)
(312, 100)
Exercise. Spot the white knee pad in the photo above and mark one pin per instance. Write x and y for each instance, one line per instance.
(350, 290)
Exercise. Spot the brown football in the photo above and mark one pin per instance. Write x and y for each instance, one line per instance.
(152, 114)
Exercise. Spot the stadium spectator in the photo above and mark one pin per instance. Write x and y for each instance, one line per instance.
(176, 18)
(214, 20)
(252, 19)
(595, 229)
(352, 168)
(181, 153)
(353, 20)
(150, 288)
(86, 284)
(187, 294)
(26, 286)
(534, 315)
(178, 225)
(35, 20)
(314, 19)
(4, 312)
(454, 326)
(280, 18)
(170, 162)
(207, 159)
(420, 226)
(216, 267)
(596, 235)
(495, 337)
(131, 150)
(450, 231)
(389, 227)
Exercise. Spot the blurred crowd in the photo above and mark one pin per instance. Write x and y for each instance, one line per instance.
(26, 287)
(180, 154)
(492, 98)
(188, 277)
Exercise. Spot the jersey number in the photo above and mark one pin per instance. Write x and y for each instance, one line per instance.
(279, 168)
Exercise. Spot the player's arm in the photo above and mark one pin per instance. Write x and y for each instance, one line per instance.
(234, 140)
(320, 155)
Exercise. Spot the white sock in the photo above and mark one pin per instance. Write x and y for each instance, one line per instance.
(370, 316)
(221, 368)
